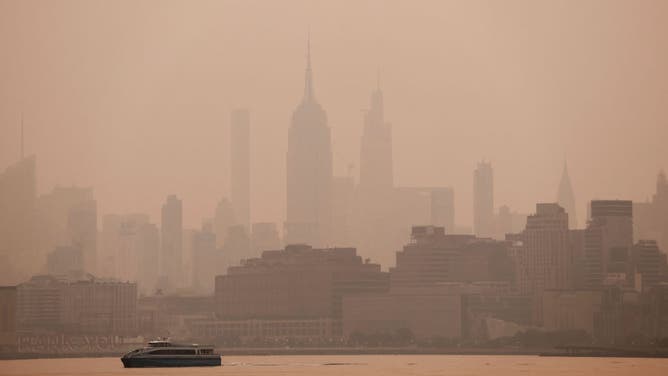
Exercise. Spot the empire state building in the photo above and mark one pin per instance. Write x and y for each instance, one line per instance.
(309, 170)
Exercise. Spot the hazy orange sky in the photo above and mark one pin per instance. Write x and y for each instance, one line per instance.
(133, 97)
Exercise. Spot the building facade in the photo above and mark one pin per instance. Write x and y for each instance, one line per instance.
(608, 243)
(298, 282)
(76, 305)
(545, 259)
(434, 257)
(8, 311)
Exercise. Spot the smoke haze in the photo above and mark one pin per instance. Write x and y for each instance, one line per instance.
(133, 98)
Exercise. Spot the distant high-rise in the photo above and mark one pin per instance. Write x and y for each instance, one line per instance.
(376, 168)
(204, 260)
(264, 237)
(375, 192)
(240, 165)
(545, 258)
(343, 193)
(65, 260)
(172, 240)
(483, 200)
(53, 215)
(650, 218)
(443, 208)
(237, 246)
(148, 245)
(650, 263)
(82, 226)
(18, 186)
(608, 243)
(223, 219)
(660, 201)
(309, 170)
(122, 249)
(566, 198)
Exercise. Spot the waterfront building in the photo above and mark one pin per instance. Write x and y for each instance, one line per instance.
(8, 311)
(298, 282)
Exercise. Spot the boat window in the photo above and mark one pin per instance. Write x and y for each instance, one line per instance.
(173, 352)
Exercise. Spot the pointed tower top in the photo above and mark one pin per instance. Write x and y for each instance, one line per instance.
(308, 81)
(22, 150)
(566, 197)
(378, 78)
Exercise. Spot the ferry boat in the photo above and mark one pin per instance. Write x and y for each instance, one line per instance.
(164, 353)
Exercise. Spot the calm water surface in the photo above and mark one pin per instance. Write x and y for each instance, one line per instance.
(362, 365)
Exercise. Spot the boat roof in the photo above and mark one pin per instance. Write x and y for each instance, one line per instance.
(167, 343)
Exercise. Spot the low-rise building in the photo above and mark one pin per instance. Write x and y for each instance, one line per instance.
(571, 310)
(425, 315)
(427, 311)
(265, 331)
(77, 305)
(297, 283)
(8, 325)
(434, 257)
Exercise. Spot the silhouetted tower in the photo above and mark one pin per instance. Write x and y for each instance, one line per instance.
(172, 240)
(309, 170)
(608, 243)
(223, 219)
(240, 166)
(376, 185)
(22, 154)
(566, 198)
(376, 171)
(18, 187)
(483, 200)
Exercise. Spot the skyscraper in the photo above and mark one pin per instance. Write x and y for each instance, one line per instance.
(483, 200)
(443, 208)
(608, 243)
(376, 168)
(376, 196)
(650, 218)
(223, 219)
(172, 240)
(240, 165)
(82, 226)
(309, 170)
(545, 258)
(204, 261)
(566, 198)
(264, 237)
(18, 192)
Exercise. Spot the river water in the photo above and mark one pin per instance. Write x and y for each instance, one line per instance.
(354, 365)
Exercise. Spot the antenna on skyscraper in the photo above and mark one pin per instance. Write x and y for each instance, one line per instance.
(22, 155)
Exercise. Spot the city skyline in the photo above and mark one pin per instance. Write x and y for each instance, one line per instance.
(129, 144)
(333, 178)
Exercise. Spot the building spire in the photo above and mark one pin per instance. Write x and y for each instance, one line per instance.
(378, 78)
(22, 154)
(308, 82)
(566, 197)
